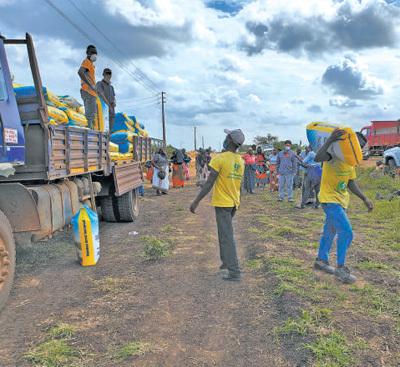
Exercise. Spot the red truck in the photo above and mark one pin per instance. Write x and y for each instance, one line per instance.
(382, 135)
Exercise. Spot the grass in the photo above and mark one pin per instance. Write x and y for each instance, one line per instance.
(62, 331)
(52, 353)
(331, 350)
(155, 249)
(55, 350)
(292, 242)
(132, 349)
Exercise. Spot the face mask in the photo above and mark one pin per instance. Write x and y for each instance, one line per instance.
(287, 148)
(93, 58)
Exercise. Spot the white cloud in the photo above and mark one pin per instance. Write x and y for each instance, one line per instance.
(254, 98)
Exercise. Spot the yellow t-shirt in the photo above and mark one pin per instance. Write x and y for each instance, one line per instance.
(226, 193)
(336, 175)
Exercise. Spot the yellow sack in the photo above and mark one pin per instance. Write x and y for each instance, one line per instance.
(57, 114)
(51, 97)
(113, 147)
(52, 122)
(85, 226)
(347, 150)
(76, 118)
(81, 110)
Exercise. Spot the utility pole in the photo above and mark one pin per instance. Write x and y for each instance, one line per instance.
(195, 137)
(202, 141)
(163, 101)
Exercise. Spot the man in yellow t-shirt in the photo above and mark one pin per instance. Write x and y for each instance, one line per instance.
(88, 84)
(337, 178)
(226, 173)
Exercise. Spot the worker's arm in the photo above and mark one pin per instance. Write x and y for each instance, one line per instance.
(322, 154)
(355, 189)
(100, 92)
(205, 190)
(82, 72)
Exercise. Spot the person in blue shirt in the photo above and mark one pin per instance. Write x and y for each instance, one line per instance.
(312, 179)
(287, 168)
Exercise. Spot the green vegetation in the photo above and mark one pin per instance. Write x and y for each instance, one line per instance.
(132, 349)
(155, 249)
(287, 261)
(62, 331)
(331, 350)
(55, 350)
(52, 353)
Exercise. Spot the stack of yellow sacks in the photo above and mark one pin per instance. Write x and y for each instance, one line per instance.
(64, 110)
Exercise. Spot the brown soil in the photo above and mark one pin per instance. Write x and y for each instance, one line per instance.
(180, 304)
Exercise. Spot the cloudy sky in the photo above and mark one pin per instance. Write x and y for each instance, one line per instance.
(266, 66)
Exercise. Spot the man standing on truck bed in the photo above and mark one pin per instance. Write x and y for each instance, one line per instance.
(88, 84)
(106, 91)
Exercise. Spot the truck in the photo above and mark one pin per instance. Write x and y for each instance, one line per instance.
(48, 171)
(382, 135)
(392, 159)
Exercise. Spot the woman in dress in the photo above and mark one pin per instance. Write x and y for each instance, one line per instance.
(261, 166)
(161, 172)
(178, 172)
(273, 180)
(249, 182)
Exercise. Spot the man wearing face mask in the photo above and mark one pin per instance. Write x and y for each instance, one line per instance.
(106, 91)
(226, 173)
(88, 84)
(287, 168)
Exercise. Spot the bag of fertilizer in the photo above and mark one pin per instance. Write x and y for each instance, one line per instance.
(58, 115)
(347, 150)
(85, 224)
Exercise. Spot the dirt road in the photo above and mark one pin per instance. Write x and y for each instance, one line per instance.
(178, 308)
(177, 311)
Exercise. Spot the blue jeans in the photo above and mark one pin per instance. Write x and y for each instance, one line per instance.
(336, 223)
(286, 181)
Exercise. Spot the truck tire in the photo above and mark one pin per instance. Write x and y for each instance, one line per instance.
(392, 165)
(107, 209)
(127, 207)
(7, 259)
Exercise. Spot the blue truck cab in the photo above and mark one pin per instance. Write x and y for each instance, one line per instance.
(12, 140)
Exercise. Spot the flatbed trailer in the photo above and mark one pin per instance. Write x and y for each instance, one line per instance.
(47, 172)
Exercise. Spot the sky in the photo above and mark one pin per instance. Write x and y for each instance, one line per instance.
(265, 66)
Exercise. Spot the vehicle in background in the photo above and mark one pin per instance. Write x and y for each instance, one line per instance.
(392, 159)
(382, 135)
(267, 149)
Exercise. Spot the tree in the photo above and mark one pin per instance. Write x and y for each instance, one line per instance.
(265, 140)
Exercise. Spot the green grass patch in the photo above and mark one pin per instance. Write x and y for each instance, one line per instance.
(254, 264)
(168, 228)
(331, 350)
(155, 249)
(132, 349)
(308, 321)
(52, 353)
(62, 331)
(372, 265)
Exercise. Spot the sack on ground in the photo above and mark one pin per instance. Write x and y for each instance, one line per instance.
(85, 225)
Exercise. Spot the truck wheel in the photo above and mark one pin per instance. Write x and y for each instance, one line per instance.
(7, 259)
(392, 165)
(128, 207)
(107, 209)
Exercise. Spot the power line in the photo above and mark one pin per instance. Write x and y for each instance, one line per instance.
(76, 26)
(140, 73)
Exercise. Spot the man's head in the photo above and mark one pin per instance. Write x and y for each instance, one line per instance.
(250, 151)
(259, 150)
(274, 152)
(107, 73)
(91, 53)
(298, 151)
(254, 147)
(308, 149)
(288, 145)
(234, 139)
